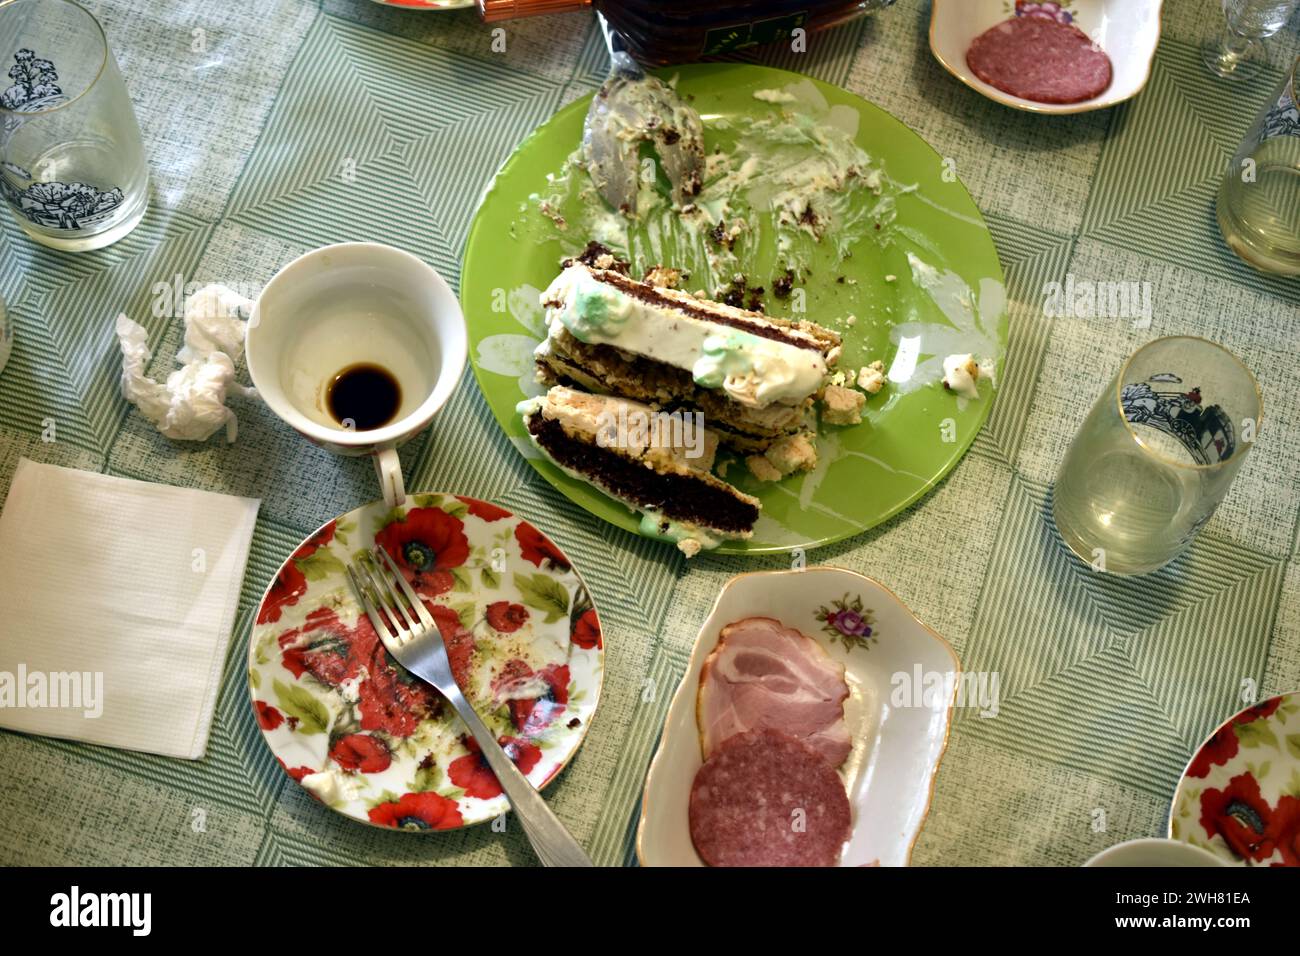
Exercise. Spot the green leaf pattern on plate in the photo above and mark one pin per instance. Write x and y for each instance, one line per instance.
(544, 593)
(324, 719)
(313, 717)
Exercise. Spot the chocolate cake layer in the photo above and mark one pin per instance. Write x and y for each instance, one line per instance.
(606, 369)
(769, 327)
(680, 497)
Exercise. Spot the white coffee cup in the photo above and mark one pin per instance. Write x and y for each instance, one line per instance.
(1155, 851)
(348, 304)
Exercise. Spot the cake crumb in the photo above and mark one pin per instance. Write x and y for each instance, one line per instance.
(851, 320)
(762, 469)
(842, 406)
(598, 256)
(663, 277)
(553, 214)
(783, 284)
(792, 453)
(871, 378)
(891, 278)
(689, 547)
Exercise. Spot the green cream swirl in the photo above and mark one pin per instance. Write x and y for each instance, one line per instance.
(597, 312)
(725, 356)
(654, 525)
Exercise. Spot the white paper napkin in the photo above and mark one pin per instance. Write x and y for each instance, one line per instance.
(117, 599)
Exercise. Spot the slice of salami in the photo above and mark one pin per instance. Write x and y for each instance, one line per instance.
(1041, 60)
(764, 798)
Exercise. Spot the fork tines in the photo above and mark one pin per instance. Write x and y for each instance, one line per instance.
(395, 610)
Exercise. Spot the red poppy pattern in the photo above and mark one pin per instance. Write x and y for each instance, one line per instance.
(1250, 799)
(537, 548)
(1240, 815)
(290, 583)
(361, 752)
(426, 545)
(1215, 752)
(534, 698)
(473, 775)
(418, 811)
(267, 716)
(327, 694)
(484, 509)
(388, 698)
(506, 617)
(586, 631)
(296, 773)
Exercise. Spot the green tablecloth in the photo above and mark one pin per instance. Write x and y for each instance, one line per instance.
(250, 114)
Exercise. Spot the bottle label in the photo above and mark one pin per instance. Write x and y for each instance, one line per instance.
(1284, 118)
(739, 35)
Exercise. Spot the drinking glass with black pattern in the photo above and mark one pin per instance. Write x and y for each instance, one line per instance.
(72, 166)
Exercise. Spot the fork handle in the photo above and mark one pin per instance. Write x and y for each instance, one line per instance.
(554, 845)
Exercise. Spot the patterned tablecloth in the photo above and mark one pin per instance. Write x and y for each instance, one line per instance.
(279, 126)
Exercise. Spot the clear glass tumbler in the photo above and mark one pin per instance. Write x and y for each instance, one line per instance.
(1258, 205)
(1156, 455)
(72, 165)
(1247, 22)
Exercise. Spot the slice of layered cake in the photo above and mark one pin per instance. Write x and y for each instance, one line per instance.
(655, 462)
(753, 376)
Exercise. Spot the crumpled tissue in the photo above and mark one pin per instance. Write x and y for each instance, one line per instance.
(191, 404)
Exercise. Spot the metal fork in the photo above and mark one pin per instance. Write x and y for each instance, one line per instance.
(411, 635)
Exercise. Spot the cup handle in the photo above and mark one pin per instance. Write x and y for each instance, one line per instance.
(389, 471)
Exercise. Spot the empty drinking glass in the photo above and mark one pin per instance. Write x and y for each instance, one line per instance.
(1248, 22)
(1156, 455)
(72, 166)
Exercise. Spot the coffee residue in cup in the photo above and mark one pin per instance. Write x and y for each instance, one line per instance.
(363, 396)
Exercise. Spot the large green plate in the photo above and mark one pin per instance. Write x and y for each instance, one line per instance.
(915, 431)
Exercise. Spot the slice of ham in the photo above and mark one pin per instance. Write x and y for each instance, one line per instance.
(764, 675)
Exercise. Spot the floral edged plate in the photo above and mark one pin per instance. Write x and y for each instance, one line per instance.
(369, 740)
(1239, 797)
(903, 681)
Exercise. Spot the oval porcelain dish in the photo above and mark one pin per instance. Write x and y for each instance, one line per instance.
(1128, 30)
(899, 729)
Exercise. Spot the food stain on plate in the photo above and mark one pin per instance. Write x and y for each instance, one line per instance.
(765, 303)
(366, 738)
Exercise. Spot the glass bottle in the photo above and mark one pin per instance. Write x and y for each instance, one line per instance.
(1258, 204)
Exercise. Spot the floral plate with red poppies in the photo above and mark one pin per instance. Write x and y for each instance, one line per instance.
(371, 741)
(1239, 798)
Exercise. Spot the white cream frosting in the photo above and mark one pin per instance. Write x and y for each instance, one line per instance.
(332, 787)
(753, 370)
(960, 373)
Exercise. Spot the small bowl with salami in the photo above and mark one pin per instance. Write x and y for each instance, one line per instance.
(1048, 57)
(806, 731)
